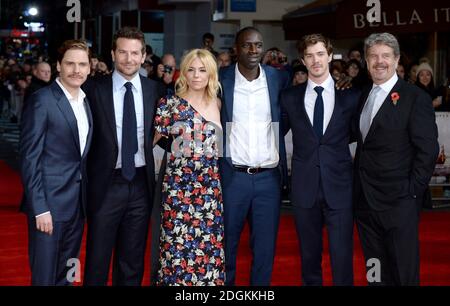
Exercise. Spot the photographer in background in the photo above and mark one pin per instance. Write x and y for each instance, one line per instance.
(167, 72)
(208, 42)
(276, 58)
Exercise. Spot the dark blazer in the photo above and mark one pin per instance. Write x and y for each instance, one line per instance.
(53, 170)
(102, 158)
(276, 81)
(327, 160)
(397, 159)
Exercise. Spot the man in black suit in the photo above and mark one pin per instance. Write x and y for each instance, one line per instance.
(56, 136)
(321, 118)
(395, 158)
(120, 165)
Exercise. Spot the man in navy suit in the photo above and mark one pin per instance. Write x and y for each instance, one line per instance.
(321, 119)
(255, 158)
(56, 135)
(395, 158)
(120, 165)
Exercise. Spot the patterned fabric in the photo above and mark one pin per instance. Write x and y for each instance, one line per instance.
(191, 232)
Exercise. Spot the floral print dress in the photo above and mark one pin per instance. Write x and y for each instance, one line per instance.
(191, 232)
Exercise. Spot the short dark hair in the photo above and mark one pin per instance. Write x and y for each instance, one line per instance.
(72, 44)
(148, 49)
(353, 62)
(354, 49)
(243, 30)
(129, 33)
(299, 67)
(208, 35)
(312, 39)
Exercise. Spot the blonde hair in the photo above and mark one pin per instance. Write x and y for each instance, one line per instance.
(213, 87)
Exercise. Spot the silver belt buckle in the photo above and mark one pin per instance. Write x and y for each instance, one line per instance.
(249, 170)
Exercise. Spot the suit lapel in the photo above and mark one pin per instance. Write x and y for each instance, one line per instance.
(364, 96)
(383, 109)
(227, 80)
(149, 108)
(107, 101)
(228, 90)
(337, 111)
(65, 108)
(89, 136)
(302, 107)
(272, 85)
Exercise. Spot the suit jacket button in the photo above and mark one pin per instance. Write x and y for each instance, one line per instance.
(414, 196)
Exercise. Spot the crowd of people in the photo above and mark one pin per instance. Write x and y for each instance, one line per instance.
(87, 144)
(21, 77)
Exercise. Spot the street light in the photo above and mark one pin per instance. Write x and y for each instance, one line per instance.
(33, 11)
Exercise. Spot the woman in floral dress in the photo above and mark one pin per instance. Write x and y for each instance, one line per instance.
(191, 232)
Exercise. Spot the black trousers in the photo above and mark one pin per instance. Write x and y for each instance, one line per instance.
(309, 225)
(392, 237)
(120, 225)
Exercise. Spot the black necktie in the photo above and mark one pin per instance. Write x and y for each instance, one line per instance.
(318, 112)
(129, 134)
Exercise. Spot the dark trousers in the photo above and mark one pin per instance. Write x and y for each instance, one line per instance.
(256, 198)
(49, 254)
(392, 237)
(121, 224)
(309, 224)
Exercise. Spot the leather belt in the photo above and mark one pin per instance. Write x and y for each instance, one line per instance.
(250, 170)
(139, 171)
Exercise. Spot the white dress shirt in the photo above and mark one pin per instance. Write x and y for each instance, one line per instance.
(118, 96)
(328, 100)
(386, 88)
(252, 135)
(79, 110)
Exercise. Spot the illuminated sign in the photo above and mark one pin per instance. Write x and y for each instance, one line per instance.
(35, 26)
(243, 5)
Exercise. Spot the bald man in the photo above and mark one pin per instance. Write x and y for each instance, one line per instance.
(41, 77)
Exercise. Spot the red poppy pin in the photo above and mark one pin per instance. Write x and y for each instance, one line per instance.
(395, 96)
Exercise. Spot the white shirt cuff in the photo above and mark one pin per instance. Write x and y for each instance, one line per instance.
(46, 213)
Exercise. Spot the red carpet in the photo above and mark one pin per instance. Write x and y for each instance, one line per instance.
(434, 238)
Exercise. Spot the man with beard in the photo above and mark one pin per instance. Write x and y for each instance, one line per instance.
(120, 165)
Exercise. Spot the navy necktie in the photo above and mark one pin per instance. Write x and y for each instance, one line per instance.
(318, 112)
(129, 134)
